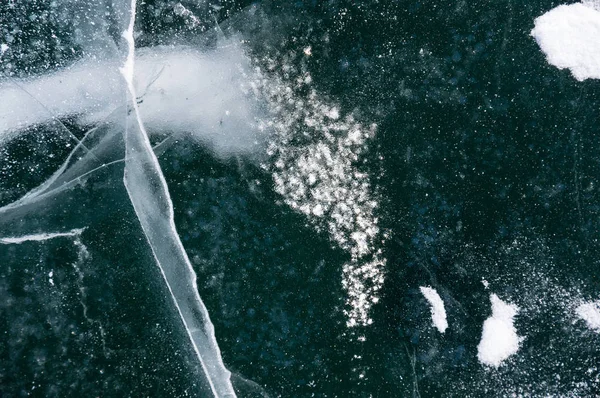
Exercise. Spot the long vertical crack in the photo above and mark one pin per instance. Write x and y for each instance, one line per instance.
(149, 194)
(82, 255)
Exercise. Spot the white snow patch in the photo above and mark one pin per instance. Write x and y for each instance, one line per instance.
(438, 312)
(590, 313)
(499, 339)
(568, 35)
(3, 48)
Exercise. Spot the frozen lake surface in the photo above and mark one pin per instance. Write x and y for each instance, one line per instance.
(332, 199)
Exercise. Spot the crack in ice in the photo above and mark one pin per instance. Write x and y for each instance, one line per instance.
(82, 255)
(41, 237)
(149, 194)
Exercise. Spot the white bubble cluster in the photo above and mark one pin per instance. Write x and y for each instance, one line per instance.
(313, 157)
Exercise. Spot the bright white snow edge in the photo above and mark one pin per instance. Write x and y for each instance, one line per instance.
(569, 36)
(590, 313)
(499, 339)
(438, 312)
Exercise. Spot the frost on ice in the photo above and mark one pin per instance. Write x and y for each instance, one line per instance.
(321, 180)
(589, 312)
(126, 98)
(499, 339)
(438, 311)
(568, 35)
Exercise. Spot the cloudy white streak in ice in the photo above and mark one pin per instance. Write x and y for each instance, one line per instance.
(84, 88)
(180, 89)
(568, 35)
(41, 237)
(590, 313)
(499, 338)
(438, 311)
(149, 194)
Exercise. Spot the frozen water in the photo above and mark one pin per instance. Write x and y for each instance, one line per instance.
(171, 82)
(87, 217)
(148, 191)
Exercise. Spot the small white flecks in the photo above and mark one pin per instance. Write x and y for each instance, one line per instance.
(190, 19)
(486, 284)
(333, 113)
(3, 48)
(308, 51)
(50, 277)
(314, 151)
(590, 313)
(499, 339)
(438, 311)
(318, 210)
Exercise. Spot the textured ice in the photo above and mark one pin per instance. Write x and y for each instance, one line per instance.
(171, 82)
(149, 194)
(202, 94)
(568, 35)
(438, 311)
(41, 237)
(322, 180)
(499, 339)
(128, 98)
(117, 94)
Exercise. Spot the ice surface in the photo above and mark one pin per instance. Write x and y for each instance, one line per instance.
(149, 194)
(180, 91)
(568, 35)
(317, 166)
(41, 237)
(322, 181)
(590, 313)
(499, 339)
(438, 311)
(85, 88)
(173, 84)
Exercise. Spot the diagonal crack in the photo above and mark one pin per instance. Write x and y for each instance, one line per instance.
(149, 194)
